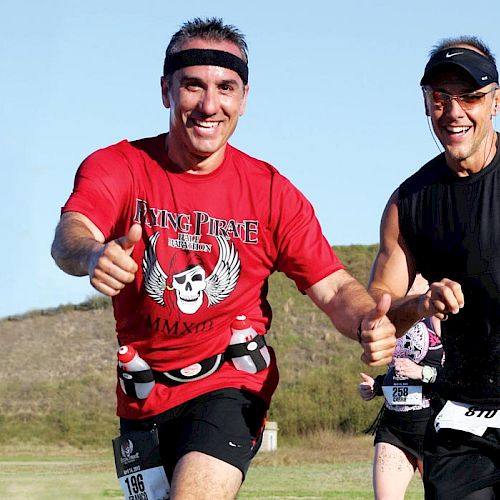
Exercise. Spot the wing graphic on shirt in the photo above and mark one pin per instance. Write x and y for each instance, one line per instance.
(225, 275)
(155, 279)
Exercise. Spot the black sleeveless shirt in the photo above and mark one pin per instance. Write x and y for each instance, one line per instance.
(452, 227)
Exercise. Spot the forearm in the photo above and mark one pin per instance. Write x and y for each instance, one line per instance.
(74, 246)
(348, 304)
(348, 308)
(356, 315)
(404, 311)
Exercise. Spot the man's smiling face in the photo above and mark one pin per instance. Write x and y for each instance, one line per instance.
(465, 134)
(205, 104)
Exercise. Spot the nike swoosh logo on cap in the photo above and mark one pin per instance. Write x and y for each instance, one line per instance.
(451, 54)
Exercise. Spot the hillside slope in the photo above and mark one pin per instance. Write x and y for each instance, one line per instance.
(57, 381)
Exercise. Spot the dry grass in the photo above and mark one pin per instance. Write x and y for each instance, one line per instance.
(48, 348)
(320, 447)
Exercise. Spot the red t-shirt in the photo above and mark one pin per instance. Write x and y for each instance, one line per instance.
(209, 244)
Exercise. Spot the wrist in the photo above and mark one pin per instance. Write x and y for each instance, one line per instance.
(429, 374)
(422, 305)
(90, 255)
(358, 332)
(377, 386)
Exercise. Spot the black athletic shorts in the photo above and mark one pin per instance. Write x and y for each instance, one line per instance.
(457, 463)
(226, 424)
(404, 429)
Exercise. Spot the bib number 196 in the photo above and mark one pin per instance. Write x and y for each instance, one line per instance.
(139, 467)
(135, 484)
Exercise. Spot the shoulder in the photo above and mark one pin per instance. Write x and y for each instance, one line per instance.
(124, 155)
(119, 148)
(255, 165)
(126, 148)
(151, 146)
(261, 172)
(431, 173)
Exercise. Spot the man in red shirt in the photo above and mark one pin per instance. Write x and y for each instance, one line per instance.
(183, 231)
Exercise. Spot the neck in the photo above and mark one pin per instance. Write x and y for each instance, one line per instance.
(476, 162)
(193, 163)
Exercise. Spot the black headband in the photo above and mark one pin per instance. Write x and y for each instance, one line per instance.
(205, 57)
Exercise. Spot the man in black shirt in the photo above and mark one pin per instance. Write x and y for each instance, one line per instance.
(444, 222)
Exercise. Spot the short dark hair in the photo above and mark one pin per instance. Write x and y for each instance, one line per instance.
(213, 29)
(473, 41)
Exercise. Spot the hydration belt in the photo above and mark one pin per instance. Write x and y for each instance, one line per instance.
(206, 367)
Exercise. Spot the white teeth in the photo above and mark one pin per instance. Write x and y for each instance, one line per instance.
(457, 130)
(207, 124)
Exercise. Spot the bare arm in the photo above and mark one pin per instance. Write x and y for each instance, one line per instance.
(79, 249)
(394, 271)
(77, 238)
(349, 307)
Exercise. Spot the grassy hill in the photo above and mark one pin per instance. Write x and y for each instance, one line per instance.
(57, 382)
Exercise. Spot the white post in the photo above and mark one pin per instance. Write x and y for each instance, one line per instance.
(270, 437)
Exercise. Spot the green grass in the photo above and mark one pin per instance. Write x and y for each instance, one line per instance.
(58, 477)
(66, 478)
(50, 473)
(343, 481)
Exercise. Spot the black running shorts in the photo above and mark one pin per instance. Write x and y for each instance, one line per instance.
(404, 429)
(457, 463)
(226, 424)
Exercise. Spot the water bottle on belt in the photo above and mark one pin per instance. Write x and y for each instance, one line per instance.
(247, 349)
(135, 375)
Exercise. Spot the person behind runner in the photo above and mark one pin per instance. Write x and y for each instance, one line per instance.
(444, 222)
(407, 386)
(183, 231)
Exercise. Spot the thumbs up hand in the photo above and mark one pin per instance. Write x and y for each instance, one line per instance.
(366, 387)
(377, 334)
(112, 266)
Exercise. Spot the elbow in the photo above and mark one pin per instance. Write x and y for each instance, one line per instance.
(64, 261)
(56, 254)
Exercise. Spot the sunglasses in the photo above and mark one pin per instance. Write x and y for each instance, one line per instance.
(467, 101)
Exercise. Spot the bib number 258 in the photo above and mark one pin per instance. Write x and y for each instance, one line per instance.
(399, 392)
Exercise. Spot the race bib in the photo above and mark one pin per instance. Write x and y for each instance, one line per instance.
(138, 466)
(403, 394)
(468, 418)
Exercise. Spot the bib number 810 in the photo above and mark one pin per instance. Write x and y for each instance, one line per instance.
(475, 412)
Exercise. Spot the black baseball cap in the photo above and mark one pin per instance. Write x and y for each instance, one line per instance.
(479, 67)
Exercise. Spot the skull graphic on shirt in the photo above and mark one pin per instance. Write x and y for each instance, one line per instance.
(189, 286)
(189, 278)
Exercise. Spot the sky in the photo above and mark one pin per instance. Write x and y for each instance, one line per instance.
(334, 104)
